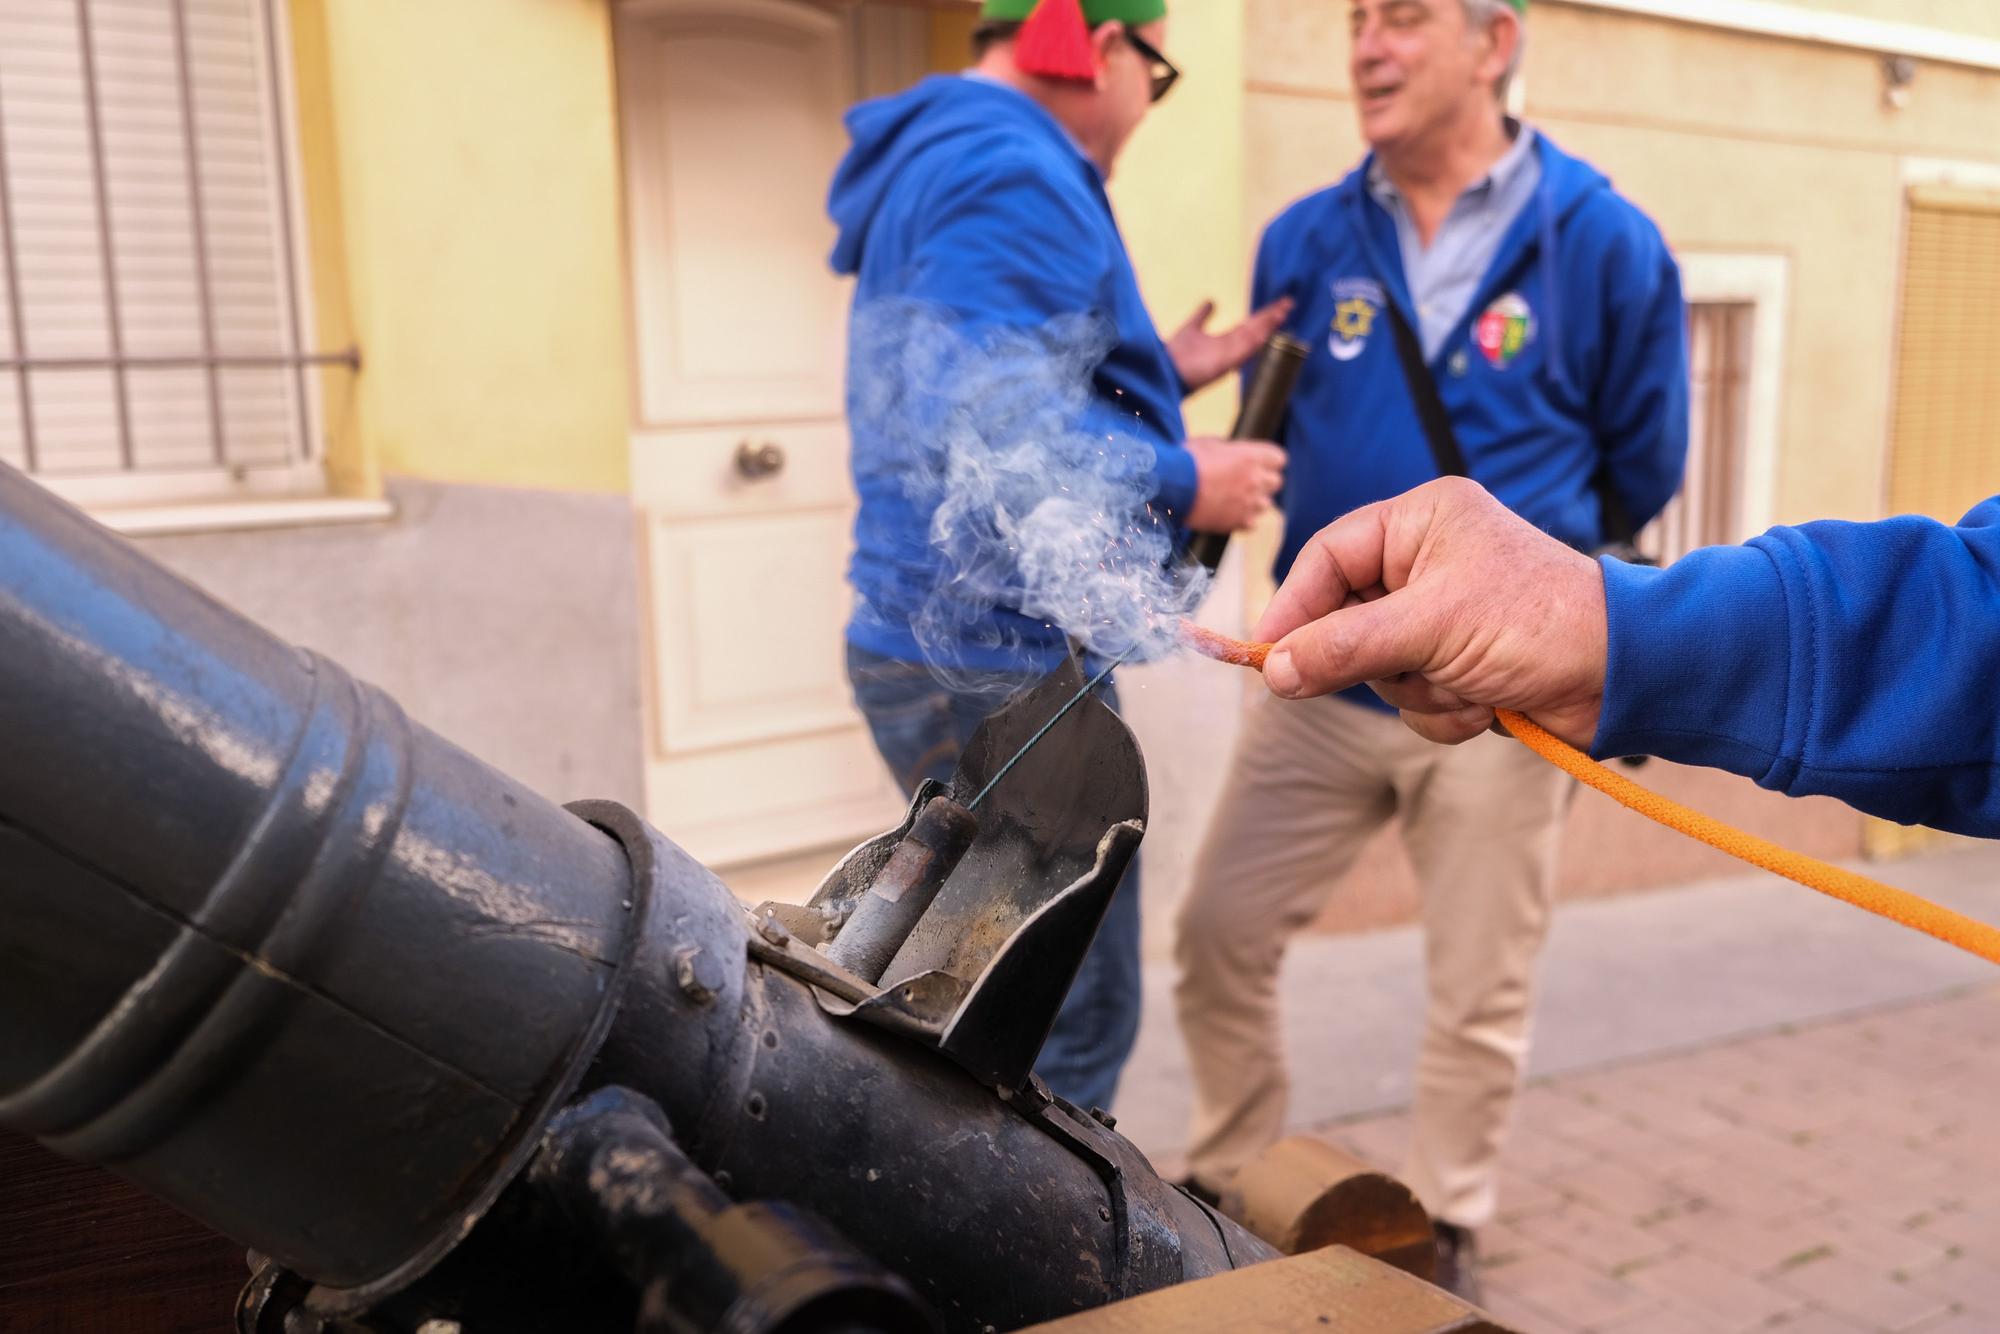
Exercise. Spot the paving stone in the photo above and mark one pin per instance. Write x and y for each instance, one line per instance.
(1521, 1196)
(1381, 1141)
(1811, 1321)
(1570, 1290)
(1663, 1320)
(1584, 1232)
(1974, 1231)
(1502, 1244)
(1621, 1191)
(1872, 1296)
(1751, 1248)
(1842, 1178)
(1959, 1324)
(1967, 1282)
(1752, 1193)
(1689, 1279)
(1520, 1314)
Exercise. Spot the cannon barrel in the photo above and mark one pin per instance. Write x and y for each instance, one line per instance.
(321, 979)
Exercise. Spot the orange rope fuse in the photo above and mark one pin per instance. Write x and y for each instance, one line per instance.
(1214, 644)
(1898, 905)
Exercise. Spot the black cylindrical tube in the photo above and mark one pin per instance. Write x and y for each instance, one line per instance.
(1259, 417)
(701, 1261)
(304, 969)
(904, 888)
(319, 978)
(1002, 1212)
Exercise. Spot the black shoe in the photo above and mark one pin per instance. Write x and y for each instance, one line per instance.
(1458, 1262)
(1194, 1187)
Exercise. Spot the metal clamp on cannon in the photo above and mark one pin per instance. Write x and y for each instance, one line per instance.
(963, 927)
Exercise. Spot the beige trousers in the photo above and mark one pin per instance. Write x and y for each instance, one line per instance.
(1310, 781)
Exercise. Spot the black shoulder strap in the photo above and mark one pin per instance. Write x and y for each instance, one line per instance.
(1424, 393)
(1618, 529)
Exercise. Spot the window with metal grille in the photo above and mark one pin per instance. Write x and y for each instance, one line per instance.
(1944, 454)
(149, 268)
(1708, 510)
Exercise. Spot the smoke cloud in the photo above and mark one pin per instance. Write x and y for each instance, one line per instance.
(1036, 503)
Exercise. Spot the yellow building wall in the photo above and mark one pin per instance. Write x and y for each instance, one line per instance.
(951, 40)
(1178, 188)
(460, 162)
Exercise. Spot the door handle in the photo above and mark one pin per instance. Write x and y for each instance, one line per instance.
(756, 462)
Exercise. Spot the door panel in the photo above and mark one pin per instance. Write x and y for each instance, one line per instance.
(766, 660)
(731, 124)
(732, 130)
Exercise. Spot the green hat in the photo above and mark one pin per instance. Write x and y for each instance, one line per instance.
(1055, 34)
(1129, 12)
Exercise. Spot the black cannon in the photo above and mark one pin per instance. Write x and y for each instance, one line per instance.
(446, 1058)
(325, 982)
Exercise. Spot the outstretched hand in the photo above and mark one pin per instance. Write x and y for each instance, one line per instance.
(1202, 357)
(1449, 605)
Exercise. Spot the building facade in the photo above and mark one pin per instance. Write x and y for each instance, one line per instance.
(489, 345)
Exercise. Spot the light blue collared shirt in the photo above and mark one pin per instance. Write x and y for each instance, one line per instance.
(1444, 277)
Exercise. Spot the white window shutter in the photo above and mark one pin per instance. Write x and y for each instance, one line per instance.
(175, 222)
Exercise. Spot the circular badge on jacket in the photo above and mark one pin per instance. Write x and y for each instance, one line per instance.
(1355, 304)
(1506, 327)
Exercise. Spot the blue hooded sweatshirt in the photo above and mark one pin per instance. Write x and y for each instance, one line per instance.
(964, 199)
(1571, 359)
(1853, 660)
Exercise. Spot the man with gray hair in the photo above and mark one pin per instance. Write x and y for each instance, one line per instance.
(1480, 303)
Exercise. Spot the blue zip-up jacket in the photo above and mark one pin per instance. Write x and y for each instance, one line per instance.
(1852, 660)
(1570, 359)
(963, 197)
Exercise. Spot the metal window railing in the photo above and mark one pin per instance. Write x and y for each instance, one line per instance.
(204, 352)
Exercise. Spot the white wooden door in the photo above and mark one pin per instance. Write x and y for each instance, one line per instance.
(731, 125)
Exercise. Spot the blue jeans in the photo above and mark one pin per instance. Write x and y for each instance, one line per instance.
(920, 727)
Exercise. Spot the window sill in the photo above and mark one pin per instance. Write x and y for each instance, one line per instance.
(228, 516)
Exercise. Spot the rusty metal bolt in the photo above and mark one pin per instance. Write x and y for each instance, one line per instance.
(773, 930)
(1104, 1118)
(699, 974)
(834, 916)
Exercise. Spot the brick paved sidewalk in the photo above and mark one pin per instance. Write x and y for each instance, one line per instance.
(1826, 1179)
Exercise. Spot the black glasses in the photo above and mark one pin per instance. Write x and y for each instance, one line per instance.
(1163, 73)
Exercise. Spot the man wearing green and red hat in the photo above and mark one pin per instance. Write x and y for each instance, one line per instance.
(972, 213)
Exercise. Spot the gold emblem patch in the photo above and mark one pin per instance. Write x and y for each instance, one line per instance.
(1353, 318)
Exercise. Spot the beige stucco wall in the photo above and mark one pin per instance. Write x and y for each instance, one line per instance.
(1976, 18)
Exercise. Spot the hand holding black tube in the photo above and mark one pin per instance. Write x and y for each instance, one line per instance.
(1262, 413)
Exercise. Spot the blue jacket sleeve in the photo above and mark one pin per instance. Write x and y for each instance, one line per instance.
(1005, 246)
(1858, 661)
(1640, 408)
